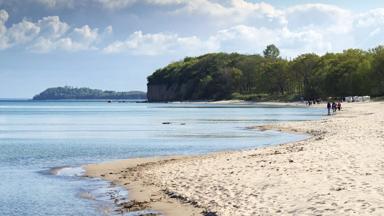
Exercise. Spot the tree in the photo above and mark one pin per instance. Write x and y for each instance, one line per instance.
(251, 69)
(275, 77)
(302, 74)
(271, 52)
(378, 70)
(68, 92)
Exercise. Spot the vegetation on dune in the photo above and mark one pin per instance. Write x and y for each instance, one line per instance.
(86, 93)
(219, 76)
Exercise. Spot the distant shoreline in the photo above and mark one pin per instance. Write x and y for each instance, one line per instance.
(90, 100)
(72, 100)
(74, 93)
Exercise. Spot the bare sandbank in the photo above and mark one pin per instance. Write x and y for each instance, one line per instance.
(338, 171)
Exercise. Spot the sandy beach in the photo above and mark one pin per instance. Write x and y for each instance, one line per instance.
(339, 170)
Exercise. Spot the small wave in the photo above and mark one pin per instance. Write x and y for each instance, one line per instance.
(103, 195)
(87, 195)
(68, 171)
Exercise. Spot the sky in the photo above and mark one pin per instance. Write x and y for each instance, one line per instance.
(116, 44)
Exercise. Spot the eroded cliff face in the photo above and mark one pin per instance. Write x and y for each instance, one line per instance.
(162, 93)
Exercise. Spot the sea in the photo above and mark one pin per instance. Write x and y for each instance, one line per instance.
(43, 145)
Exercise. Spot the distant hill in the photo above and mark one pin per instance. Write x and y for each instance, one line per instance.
(67, 92)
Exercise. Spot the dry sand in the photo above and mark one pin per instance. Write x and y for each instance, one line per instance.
(338, 171)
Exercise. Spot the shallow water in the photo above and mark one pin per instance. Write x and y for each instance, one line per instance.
(37, 136)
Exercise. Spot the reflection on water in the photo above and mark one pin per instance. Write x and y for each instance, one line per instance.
(36, 136)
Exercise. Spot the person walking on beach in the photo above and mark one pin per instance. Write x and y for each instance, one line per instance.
(339, 106)
(329, 108)
(334, 106)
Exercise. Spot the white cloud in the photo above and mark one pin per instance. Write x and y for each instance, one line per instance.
(57, 3)
(83, 38)
(48, 34)
(121, 4)
(116, 4)
(158, 44)
(3, 18)
(230, 10)
(241, 38)
(108, 4)
(307, 41)
(85, 34)
(319, 16)
(233, 12)
(108, 30)
(22, 32)
(243, 26)
(303, 28)
(248, 39)
(244, 39)
(166, 2)
(371, 18)
(232, 7)
(52, 27)
(369, 28)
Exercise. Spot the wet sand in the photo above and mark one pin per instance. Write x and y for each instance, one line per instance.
(338, 171)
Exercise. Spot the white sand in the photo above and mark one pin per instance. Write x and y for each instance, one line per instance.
(339, 171)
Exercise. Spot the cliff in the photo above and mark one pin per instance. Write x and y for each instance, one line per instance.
(161, 92)
(207, 77)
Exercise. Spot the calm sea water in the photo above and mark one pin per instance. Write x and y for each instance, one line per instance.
(37, 136)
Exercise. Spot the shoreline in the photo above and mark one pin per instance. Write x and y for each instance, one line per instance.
(259, 181)
(142, 196)
(244, 102)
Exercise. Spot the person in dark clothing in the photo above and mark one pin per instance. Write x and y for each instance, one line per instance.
(329, 108)
(339, 105)
(334, 106)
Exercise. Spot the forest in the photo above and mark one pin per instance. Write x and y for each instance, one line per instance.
(67, 92)
(219, 76)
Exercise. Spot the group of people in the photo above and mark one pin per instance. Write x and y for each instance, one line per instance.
(334, 106)
(314, 101)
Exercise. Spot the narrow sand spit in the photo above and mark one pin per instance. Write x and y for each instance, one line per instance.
(338, 171)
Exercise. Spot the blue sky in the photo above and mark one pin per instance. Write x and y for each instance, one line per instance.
(116, 44)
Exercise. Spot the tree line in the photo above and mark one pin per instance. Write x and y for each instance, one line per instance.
(219, 76)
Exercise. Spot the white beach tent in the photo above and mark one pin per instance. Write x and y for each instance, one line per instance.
(358, 99)
(366, 98)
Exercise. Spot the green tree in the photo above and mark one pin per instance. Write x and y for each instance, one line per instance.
(271, 52)
(274, 76)
(377, 75)
(302, 75)
(251, 68)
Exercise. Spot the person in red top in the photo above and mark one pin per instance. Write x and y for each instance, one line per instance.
(339, 105)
